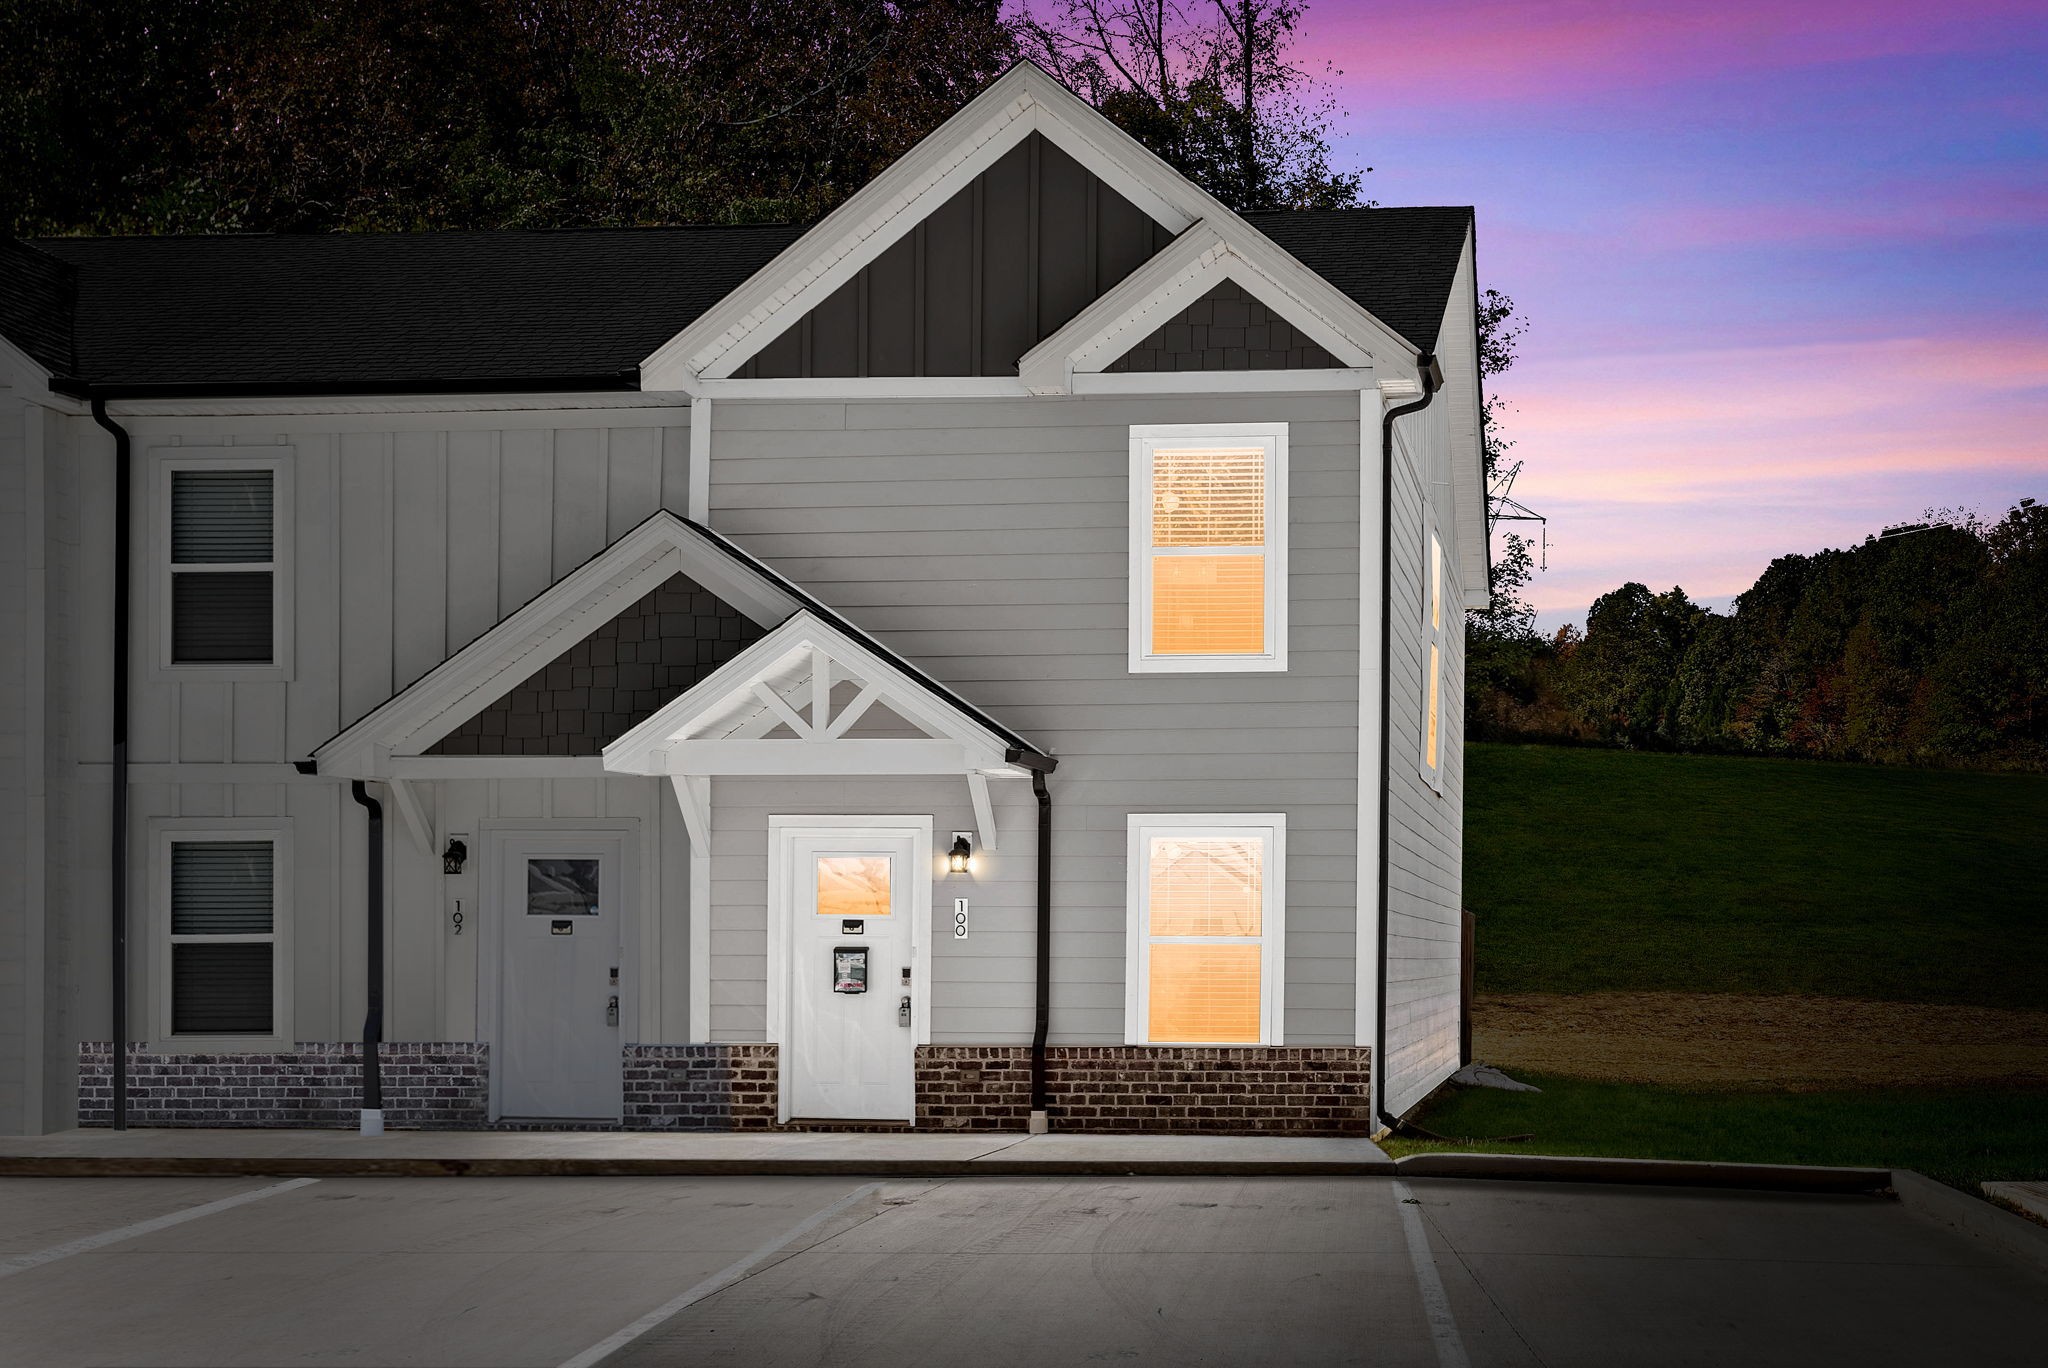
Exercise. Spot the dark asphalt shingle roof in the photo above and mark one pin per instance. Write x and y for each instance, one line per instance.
(409, 312)
(1398, 263)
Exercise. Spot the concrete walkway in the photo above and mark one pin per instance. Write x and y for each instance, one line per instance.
(171, 1152)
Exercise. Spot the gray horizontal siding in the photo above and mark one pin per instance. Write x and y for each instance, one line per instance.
(988, 542)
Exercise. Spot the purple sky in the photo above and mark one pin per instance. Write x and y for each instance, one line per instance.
(1785, 267)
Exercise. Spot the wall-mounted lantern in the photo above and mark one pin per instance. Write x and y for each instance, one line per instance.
(962, 853)
(452, 858)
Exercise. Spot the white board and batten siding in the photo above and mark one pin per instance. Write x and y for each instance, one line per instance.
(988, 541)
(410, 534)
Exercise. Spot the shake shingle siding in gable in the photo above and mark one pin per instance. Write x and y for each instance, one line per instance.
(988, 542)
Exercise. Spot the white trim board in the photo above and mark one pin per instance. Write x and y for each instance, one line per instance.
(1186, 269)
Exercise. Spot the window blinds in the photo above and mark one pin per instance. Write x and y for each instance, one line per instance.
(1206, 893)
(222, 544)
(1209, 519)
(223, 894)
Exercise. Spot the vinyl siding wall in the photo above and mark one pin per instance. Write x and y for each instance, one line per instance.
(16, 759)
(1425, 828)
(988, 542)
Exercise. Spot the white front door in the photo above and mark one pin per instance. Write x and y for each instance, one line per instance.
(854, 900)
(559, 901)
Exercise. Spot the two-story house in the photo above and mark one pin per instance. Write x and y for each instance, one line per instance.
(990, 656)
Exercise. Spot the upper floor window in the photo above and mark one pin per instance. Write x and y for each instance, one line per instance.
(223, 605)
(1209, 547)
(1433, 653)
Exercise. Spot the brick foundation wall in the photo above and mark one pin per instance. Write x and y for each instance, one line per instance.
(1178, 1089)
(436, 1086)
(700, 1087)
(1264, 1090)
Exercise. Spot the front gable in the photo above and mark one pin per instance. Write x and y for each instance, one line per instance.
(691, 588)
(843, 300)
(1014, 254)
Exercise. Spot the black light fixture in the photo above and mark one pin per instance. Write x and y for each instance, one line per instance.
(960, 854)
(453, 856)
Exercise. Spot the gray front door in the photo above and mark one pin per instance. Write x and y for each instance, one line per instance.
(558, 908)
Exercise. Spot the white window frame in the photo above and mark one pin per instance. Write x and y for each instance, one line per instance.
(1143, 441)
(1435, 636)
(1270, 827)
(168, 831)
(165, 463)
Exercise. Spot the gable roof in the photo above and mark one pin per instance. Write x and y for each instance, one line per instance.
(560, 616)
(1398, 263)
(399, 313)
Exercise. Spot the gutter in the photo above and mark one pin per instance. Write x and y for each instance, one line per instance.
(117, 845)
(1432, 380)
(1040, 766)
(372, 1120)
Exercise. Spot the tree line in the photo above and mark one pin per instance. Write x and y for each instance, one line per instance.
(191, 116)
(1925, 644)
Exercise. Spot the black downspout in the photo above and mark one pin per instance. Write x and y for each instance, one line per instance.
(1432, 380)
(117, 853)
(1040, 766)
(373, 1018)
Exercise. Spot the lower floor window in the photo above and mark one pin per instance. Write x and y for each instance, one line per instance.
(223, 937)
(1204, 952)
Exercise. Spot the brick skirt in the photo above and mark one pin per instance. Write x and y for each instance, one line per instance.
(1141, 1089)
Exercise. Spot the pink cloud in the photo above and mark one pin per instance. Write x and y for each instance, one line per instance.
(1496, 51)
(1697, 468)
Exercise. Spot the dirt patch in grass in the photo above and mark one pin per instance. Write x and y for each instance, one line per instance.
(1727, 1040)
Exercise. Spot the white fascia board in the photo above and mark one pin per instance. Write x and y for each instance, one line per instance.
(1185, 270)
(1022, 101)
(1225, 382)
(1468, 491)
(867, 387)
(573, 607)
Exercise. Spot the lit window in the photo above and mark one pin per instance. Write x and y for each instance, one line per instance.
(223, 960)
(1208, 553)
(1433, 663)
(221, 594)
(853, 885)
(1204, 946)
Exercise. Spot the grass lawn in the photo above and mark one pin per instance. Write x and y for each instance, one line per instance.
(1592, 869)
(1960, 1137)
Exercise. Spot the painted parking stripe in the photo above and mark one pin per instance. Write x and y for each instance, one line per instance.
(21, 1263)
(1436, 1307)
(717, 1282)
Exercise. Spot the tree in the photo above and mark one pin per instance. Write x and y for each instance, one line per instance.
(1207, 84)
(198, 115)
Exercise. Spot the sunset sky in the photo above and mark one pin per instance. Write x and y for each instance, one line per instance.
(1785, 267)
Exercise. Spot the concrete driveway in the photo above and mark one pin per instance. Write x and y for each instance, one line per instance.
(987, 1272)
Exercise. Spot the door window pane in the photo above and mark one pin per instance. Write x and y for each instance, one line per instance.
(853, 885)
(1204, 993)
(561, 888)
